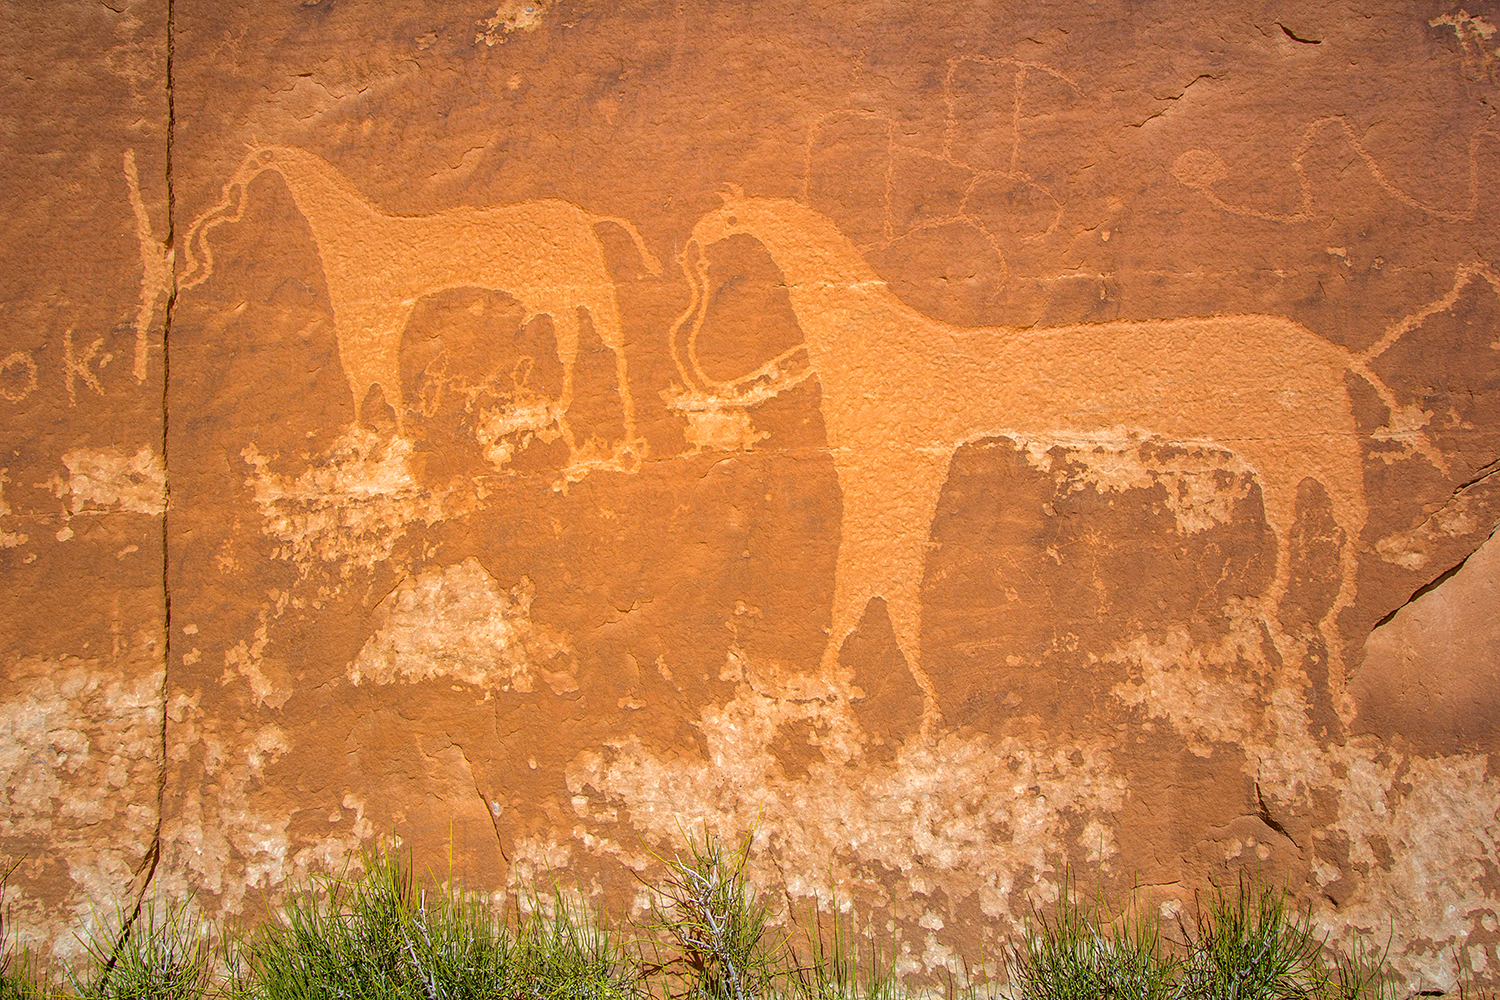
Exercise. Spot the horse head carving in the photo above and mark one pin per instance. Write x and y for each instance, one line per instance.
(198, 254)
(737, 215)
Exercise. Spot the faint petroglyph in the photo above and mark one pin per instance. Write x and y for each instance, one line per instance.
(13, 390)
(349, 508)
(111, 479)
(1201, 169)
(1422, 834)
(988, 173)
(1021, 71)
(457, 624)
(377, 266)
(511, 16)
(506, 420)
(77, 365)
(1481, 64)
(979, 817)
(893, 427)
(156, 267)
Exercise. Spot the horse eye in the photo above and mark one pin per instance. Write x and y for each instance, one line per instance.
(731, 220)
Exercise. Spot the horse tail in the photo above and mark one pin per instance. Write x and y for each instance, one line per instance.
(1403, 423)
(1464, 276)
(647, 257)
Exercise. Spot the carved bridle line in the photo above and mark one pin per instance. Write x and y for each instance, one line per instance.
(710, 393)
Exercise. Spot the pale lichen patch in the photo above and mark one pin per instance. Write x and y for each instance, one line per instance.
(8, 539)
(1202, 482)
(722, 430)
(512, 15)
(1423, 834)
(957, 814)
(79, 750)
(112, 479)
(457, 623)
(350, 506)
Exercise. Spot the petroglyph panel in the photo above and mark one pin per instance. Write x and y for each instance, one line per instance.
(959, 444)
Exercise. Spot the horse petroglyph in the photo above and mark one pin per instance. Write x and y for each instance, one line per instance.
(901, 391)
(545, 253)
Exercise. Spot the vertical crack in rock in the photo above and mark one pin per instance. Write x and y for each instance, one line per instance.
(1429, 586)
(490, 809)
(146, 873)
(1264, 812)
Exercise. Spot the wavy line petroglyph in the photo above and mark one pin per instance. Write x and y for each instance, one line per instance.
(1201, 169)
(544, 253)
(156, 267)
(901, 391)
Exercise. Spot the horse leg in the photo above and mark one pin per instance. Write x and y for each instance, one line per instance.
(606, 318)
(887, 520)
(565, 328)
(1349, 512)
(1337, 465)
(369, 338)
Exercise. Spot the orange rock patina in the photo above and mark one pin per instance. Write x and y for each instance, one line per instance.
(961, 445)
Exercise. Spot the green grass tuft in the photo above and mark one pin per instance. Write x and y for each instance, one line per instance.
(841, 962)
(1249, 946)
(565, 953)
(21, 976)
(719, 925)
(1080, 953)
(159, 952)
(378, 936)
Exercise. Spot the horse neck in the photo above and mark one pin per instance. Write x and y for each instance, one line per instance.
(324, 196)
(823, 269)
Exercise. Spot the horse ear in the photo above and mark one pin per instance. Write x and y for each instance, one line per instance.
(729, 191)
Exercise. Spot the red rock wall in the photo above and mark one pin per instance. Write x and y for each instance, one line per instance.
(959, 442)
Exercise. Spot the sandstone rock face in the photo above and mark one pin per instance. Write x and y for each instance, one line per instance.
(85, 291)
(959, 443)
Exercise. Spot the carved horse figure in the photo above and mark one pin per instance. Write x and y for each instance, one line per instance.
(545, 253)
(901, 391)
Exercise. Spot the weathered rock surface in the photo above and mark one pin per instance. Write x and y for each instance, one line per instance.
(968, 443)
(82, 480)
